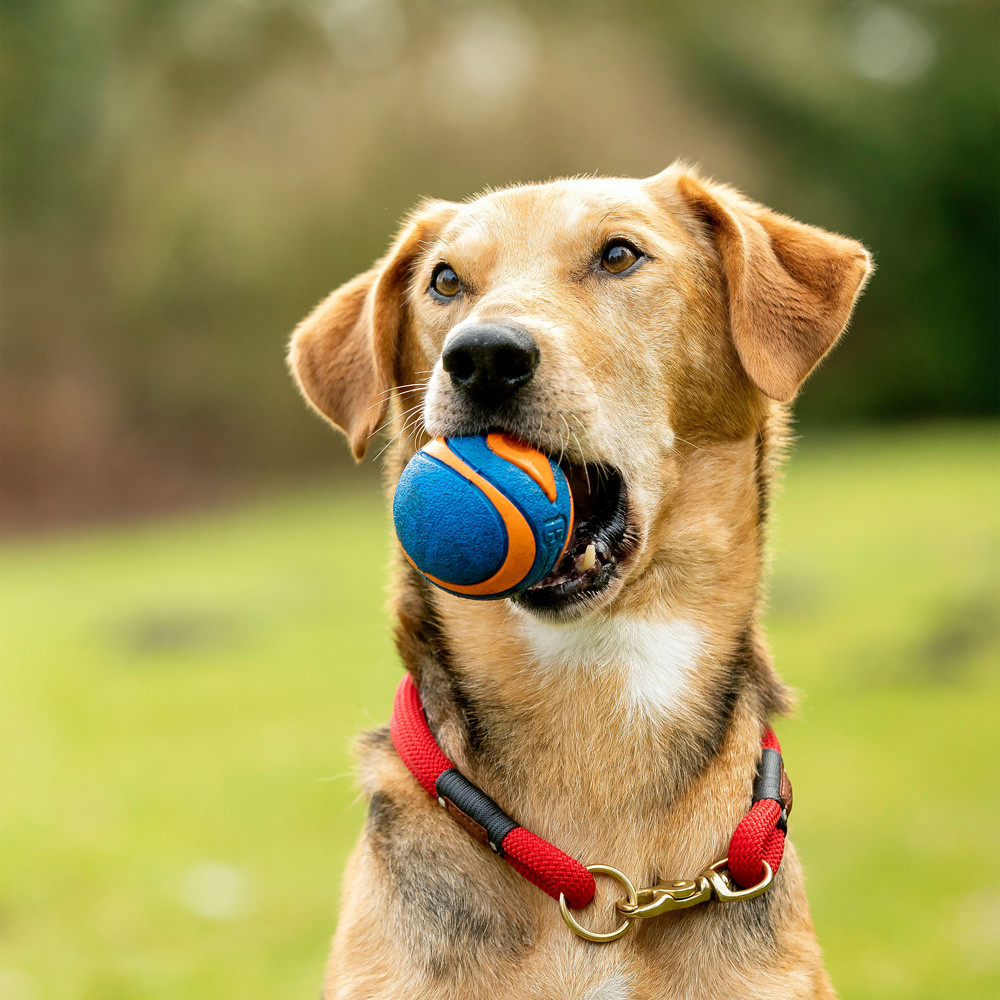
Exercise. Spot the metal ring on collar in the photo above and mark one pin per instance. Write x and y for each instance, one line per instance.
(579, 929)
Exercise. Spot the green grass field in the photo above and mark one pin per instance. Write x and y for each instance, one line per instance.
(178, 700)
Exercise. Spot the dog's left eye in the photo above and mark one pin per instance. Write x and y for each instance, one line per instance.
(618, 256)
(445, 282)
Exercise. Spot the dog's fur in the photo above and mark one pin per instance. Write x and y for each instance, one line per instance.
(625, 730)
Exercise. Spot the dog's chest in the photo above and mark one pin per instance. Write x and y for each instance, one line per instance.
(653, 662)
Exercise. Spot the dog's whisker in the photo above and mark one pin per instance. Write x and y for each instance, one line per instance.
(400, 433)
(402, 389)
(412, 422)
(379, 401)
(599, 363)
(411, 410)
(382, 425)
(563, 442)
(690, 444)
(503, 624)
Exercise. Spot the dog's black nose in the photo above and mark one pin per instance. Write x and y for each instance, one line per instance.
(490, 362)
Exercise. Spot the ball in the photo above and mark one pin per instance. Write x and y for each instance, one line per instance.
(482, 517)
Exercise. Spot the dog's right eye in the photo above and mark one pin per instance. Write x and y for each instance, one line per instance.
(619, 256)
(445, 282)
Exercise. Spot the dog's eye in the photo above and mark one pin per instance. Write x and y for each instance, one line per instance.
(445, 282)
(619, 256)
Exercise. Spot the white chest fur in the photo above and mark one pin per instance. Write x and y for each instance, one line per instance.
(613, 988)
(655, 659)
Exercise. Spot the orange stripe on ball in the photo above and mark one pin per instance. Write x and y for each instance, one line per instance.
(527, 459)
(520, 538)
(536, 465)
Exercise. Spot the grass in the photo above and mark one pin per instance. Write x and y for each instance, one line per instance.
(178, 698)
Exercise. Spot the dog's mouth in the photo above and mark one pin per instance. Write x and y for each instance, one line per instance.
(600, 541)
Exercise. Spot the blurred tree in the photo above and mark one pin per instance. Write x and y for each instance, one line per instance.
(887, 116)
(183, 179)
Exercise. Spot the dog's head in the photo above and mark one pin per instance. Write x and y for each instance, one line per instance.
(604, 321)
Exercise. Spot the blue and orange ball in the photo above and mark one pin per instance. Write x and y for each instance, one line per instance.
(482, 517)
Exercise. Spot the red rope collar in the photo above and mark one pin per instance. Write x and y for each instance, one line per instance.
(759, 837)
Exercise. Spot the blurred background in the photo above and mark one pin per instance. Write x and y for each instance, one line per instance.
(192, 593)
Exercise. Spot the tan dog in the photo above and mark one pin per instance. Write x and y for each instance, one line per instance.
(648, 334)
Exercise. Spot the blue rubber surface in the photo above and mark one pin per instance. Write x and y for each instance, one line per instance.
(446, 524)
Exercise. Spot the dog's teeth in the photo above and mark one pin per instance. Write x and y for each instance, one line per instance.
(587, 560)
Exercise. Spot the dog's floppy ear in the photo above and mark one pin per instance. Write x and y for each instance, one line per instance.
(791, 287)
(343, 354)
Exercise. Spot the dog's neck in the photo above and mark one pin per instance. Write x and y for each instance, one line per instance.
(652, 662)
(671, 684)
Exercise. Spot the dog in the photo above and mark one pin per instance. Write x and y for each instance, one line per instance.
(649, 335)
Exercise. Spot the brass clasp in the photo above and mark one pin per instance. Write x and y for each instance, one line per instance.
(665, 897)
(722, 886)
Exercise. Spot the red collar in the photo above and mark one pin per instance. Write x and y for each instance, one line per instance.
(755, 848)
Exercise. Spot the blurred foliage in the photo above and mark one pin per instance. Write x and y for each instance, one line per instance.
(908, 161)
(178, 699)
(183, 179)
